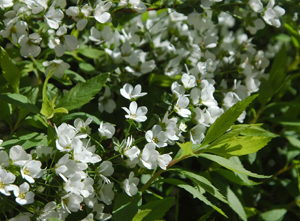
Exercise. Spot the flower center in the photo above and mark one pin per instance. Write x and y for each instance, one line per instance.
(2, 185)
(26, 171)
(22, 195)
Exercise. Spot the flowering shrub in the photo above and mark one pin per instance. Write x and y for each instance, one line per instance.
(123, 110)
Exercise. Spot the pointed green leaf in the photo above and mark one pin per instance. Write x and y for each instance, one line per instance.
(141, 215)
(10, 71)
(82, 93)
(224, 122)
(203, 182)
(125, 207)
(238, 178)
(186, 149)
(192, 190)
(231, 165)
(273, 215)
(235, 204)
(20, 101)
(157, 208)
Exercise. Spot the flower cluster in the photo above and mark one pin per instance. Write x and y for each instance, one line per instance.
(190, 55)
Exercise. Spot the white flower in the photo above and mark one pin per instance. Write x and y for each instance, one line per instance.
(100, 12)
(23, 195)
(15, 30)
(137, 5)
(32, 169)
(102, 36)
(164, 160)
(82, 127)
(98, 208)
(106, 169)
(105, 103)
(181, 105)
(272, 14)
(54, 16)
(6, 180)
(65, 133)
(83, 154)
(149, 156)
(59, 67)
(197, 133)
(130, 184)
(18, 155)
(133, 154)
(189, 81)
(106, 130)
(106, 194)
(156, 136)
(79, 16)
(6, 3)
(71, 202)
(131, 93)
(135, 113)
(4, 160)
(256, 5)
(28, 45)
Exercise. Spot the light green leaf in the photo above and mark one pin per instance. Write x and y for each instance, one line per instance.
(235, 204)
(61, 110)
(223, 123)
(240, 145)
(90, 52)
(10, 71)
(27, 141)
(186, 149)
(231, 165)
(20, 101)
(203, 182)
(141, 215)
(86, 67)
(273, 215)
(157, 208)
(192, 190)
(162, 80)
(82, 93)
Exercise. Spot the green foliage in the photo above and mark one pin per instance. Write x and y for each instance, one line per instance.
(82, 93)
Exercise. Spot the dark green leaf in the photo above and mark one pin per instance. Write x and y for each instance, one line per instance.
(235, 204)
(273, 215)
(82, 93)
(238, 178)
(10, 71)
(20, 101)
(231, 165)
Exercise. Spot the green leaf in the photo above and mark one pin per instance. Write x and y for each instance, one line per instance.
(235, 204)
(82, 93)
(265, 92)
(223, 123)
(278, 72)
(238, 178)
(186, 149)
(162, 80)
(10, 71)
(81, 115)
(47, 106)
(90, 52)
(74, 76)
(141, 215)
(231, 165)
(20, 101)
(192, 190)
(203, 182)
(86, 67)
(29, 140)
(54, 219)
(5, 113)
(273, 215)
(240, 145)
(126, 207)
(157, 208)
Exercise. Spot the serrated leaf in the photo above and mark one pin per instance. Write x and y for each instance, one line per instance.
(223, 123)
(203, 182)
(192, 190)
(235, 204)
(157, 208)
(20, 101)
(10, 71)
(82, 93)
(231, 165)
